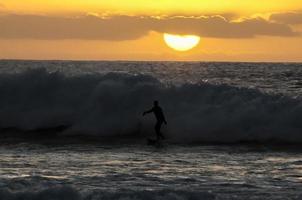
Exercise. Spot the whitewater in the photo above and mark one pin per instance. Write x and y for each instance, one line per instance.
(74, 130)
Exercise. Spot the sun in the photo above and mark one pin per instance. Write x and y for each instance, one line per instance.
(181, 42)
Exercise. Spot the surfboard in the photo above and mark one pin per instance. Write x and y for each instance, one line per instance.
(152, 142)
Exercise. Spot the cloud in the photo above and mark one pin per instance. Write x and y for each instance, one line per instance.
(218, 27)
(118, 28)
(287, 18)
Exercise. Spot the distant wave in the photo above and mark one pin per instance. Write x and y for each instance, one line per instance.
(111, 105)
(69, 193)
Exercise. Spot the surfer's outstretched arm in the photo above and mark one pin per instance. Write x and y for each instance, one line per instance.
(148, 111)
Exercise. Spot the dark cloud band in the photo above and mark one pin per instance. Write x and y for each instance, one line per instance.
(287, 18)
(133, 27)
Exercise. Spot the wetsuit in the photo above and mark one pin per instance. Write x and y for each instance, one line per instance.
(160, 119)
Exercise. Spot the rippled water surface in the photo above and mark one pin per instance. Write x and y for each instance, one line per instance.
(226, 172)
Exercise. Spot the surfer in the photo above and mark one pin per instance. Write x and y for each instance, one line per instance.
(160, 119)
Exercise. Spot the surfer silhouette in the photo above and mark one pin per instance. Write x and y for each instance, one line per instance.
(160, 119)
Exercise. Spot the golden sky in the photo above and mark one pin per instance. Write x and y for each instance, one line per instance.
(230, 30)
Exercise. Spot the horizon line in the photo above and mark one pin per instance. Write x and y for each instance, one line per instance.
(125, 60)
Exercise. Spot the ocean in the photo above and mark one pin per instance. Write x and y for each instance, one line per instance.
(75, 130)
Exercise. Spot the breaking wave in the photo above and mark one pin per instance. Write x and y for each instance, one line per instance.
(112, 105)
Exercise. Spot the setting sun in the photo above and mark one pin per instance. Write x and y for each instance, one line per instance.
(181, 42)
(152, 30)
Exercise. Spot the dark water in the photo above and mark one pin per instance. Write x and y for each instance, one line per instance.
(137, 171)
(250, 113)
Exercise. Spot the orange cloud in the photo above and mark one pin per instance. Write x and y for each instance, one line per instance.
(119, 28)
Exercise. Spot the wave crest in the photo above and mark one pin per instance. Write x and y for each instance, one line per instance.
(111, 104)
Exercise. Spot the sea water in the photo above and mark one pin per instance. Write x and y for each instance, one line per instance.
(74, 130)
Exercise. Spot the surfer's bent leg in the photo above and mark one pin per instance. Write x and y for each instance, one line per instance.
(159, 135)
(157, 130)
